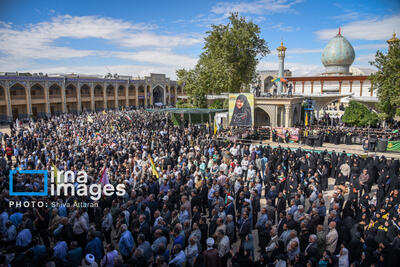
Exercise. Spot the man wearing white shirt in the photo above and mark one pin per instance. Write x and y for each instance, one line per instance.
(234, 151)
(223, 168)
(251, 173)
(245, 165)
(238, 171)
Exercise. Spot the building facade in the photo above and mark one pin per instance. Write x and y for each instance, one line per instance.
(24, 96)
(338, 84)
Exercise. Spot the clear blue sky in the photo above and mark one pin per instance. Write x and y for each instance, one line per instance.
(139, 37)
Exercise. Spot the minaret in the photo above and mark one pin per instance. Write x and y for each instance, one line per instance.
(393, 41)
(281, 55)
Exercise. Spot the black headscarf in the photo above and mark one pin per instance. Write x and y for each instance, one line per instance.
(242, 116)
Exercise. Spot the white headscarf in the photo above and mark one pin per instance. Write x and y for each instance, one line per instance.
(344, 258)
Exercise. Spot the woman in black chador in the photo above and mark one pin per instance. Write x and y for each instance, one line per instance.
(242, 113)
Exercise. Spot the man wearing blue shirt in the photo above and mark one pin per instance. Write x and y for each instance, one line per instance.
(179, 256)
(74, 254)
(24, 238)
(3, 221)
(94, 247)
(10, 234)
(16, 218)
(178, 239)
(145, 246)
(183, 215)
(61, 250)
(263, 218)
(126, 242)
(160, 239)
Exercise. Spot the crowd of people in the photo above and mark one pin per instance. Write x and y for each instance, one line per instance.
(191, 199)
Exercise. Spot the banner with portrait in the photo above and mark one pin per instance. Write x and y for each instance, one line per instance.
(241, 109)
(292, 132)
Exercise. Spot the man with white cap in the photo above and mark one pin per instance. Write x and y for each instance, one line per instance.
(211, 258)
(230, 207)
(89, 261)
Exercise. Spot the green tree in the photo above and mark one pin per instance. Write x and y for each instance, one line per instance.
(228, 62)
(358, 114)
(192, 83)
(387, 81)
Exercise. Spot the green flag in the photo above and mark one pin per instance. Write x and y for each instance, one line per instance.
(393, 146)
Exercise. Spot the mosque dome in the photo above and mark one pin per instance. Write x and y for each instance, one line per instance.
(338, 55)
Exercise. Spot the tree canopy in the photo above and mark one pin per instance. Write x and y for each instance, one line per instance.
(387, 81)
(358, 114)
(228, 62)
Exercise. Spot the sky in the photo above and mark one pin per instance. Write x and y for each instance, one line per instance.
(141, 37)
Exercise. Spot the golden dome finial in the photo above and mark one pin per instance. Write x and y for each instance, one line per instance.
(281, 47)
(393, 40)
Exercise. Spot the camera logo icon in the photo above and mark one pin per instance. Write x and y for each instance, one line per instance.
(29, 172)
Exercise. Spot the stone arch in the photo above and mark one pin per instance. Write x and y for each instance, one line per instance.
(85, 90)
(70, 92)
(55, 91)
(18, 101)
(121, 91)
(268, 84)
(3, 104)
(17, 91)
(55, 99)
(141, 96)
(85, 97)
(37, 96)
(121, 96)
(98, 97)
(37, 91)
(132, 90)
(98, 91)
(71, 96)
(132, 95)
(158, 95)
(110, 91)
(261, 117)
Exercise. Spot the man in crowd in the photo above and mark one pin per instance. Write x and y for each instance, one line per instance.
(176, 177)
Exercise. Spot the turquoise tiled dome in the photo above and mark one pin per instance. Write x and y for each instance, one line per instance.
(338, 55)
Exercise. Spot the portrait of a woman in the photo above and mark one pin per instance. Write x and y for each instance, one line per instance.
(242, 112)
